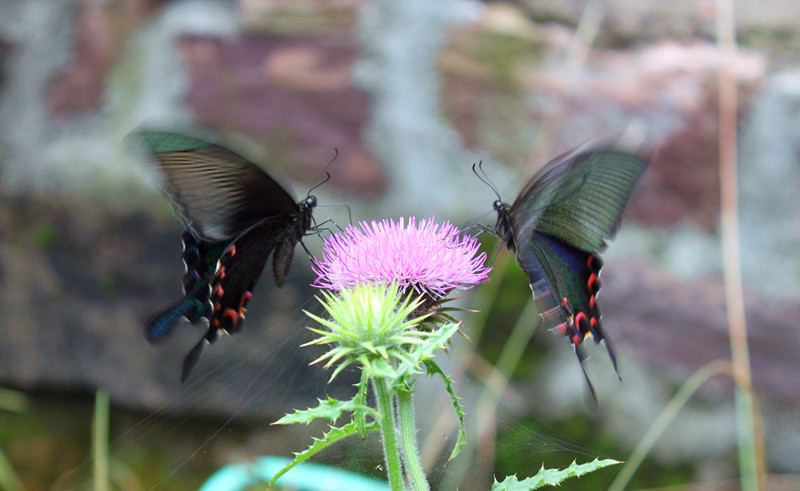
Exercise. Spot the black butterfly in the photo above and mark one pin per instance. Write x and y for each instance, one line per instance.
(556, 227)
(236, 215)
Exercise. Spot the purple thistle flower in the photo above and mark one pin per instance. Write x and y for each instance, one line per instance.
(427, 257)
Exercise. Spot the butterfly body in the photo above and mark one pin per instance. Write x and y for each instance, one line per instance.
(236, 217)
(558, 225)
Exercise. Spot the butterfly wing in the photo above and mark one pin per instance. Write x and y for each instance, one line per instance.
(200, 259)
(558, 224)
(562, 219)
(219, 191)
(241, 215)
(578, 198)
(239, 269)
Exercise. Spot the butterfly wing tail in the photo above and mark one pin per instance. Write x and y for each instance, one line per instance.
(591, 399)
(159, 325)
(191, 359)
(611, 355)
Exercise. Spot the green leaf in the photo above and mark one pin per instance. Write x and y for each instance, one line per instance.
(330, 409)
(434, 369)
(334, 435)
(550, 477)
(427, 350)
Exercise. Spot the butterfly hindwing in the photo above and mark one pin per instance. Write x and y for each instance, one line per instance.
(239, 269)
(200, 259)
(571, 284)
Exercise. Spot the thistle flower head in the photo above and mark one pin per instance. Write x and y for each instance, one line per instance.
(425, 257)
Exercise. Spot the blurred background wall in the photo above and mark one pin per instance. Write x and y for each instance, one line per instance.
(411, 94)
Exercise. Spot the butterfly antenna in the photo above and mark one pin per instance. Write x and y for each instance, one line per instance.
(477, 169)
(327, 178)
(325, 170)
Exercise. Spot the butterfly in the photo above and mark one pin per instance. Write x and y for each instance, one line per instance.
(236, 216)
(557, 226)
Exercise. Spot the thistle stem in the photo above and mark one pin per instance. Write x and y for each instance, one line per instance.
(383, 398)
(408, 440)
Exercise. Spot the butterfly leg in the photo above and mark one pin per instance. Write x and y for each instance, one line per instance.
(481, 228)
(349, 212)
(308, 253)
(318, 227)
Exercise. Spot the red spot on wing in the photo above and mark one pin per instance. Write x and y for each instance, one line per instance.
(247, 295)
(218, 290)
(232, 314)
(591, 282)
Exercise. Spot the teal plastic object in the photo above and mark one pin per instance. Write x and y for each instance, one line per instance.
(304, 477)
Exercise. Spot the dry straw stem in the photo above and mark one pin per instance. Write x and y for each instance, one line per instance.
(752, 465)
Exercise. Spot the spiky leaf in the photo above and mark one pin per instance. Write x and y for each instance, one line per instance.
(330, 409)
(334, 435)
(551, 477)
(434, 369)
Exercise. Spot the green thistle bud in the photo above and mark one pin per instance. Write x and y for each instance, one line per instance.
(369, 324)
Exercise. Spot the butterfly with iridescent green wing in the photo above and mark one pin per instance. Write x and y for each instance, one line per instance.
(558, 225)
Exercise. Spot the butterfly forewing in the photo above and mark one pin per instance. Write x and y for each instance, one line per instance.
(580, 199)
(221, 193)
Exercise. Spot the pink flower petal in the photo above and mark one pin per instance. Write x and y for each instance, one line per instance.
(428, 257)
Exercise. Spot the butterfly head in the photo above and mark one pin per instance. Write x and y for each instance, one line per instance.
(307, 204)
(503, 226)
(501, 207)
